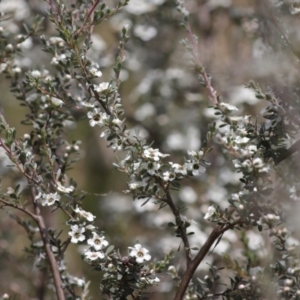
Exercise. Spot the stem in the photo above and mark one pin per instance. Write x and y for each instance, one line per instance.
(42, 228)
(212, 92)
(45, 238)
(53, 7)
(29, 213)
(193, 265)
(294, 148)
(179, 224)
(86, 19)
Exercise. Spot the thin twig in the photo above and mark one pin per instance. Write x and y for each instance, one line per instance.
(24, 210)
(212, 92)
(53, 7)
(78, 32)
(180, 224)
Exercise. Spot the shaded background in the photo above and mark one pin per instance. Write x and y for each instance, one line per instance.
(239, 40)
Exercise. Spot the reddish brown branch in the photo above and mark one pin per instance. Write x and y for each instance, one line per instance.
(193, 265)
(91, 10)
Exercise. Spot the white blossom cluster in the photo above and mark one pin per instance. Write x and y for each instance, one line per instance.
(152, 174)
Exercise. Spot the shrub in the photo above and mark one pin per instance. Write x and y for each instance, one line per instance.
(215, 191)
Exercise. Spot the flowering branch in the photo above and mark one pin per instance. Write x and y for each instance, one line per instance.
(44, 235)
(44, 155)
(46, 241)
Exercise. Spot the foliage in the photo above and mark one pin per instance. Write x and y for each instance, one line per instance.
(175, 173)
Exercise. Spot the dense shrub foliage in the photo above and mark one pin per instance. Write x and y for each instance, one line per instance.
(157, 152)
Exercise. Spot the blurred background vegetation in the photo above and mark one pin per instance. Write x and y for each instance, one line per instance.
(238, 40)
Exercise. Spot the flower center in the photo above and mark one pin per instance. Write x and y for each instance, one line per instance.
(97, 117)
(140, 254)
(195, 166)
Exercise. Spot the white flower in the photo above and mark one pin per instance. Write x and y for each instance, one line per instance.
(55, 40)
(103, 86)
(252, 149)
(195, 153)
(272, 217)
(153, 154)
(84, 214)
(210, 212)
(228, 106)
(56, 101)
(257, 163)
(195, 168)
(116, 143)
(236, 163)
(76, 234)
(294, 10)
(10, 191)
(140, 253)
(97, 242)
(247, 165)
(90, 227)
(16, 70)
(50, 199)
(236, 119)
(235, 197)
(95, 72)
(116, 121)
(192, 153)
(76, 281)
(35, 73)
(154, 280)
(178, 169)
(25, 44)
(152, 167)
(134, 185)
(167, 176)
(150, 280)
(242, 140)
(9, 47)
(54, 61)
(62, 58)
(139, 7)
(97, 117)
(90, 255)
(88, 104)
(63, 189)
